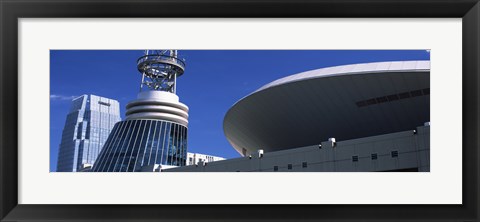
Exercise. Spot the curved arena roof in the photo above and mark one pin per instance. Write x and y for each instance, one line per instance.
(345, 102)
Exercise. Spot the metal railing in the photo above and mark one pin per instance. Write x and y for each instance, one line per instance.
(164, 59)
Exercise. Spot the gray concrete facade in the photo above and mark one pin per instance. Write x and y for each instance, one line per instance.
(401, 151)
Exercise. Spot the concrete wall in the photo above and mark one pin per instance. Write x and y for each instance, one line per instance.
(407, 150)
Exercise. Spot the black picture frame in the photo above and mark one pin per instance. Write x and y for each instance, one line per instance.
(11, 10)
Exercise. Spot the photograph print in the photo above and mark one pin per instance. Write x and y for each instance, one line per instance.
(264, 111)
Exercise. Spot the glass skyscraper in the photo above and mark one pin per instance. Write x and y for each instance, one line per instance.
(88, 124)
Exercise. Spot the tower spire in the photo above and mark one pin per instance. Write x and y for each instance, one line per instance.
(160, 70)
(154, 132)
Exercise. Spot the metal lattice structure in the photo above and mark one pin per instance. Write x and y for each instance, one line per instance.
(160, 69)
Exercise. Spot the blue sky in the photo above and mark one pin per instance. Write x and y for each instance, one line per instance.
(213, 81)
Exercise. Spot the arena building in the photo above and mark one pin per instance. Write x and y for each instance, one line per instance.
(360, 117)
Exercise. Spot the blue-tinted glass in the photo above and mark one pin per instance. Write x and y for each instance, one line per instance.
(79, 156)
(145, 146)
(135, 141)
(173, 145)
(161, 144)
(180, 157)
(184, 145)
(150, 143)
(109, 159)
(87, 130)
(180, 145)
(138, 143)
(177, 145)
(139, 150)
(166, 143)
(119, 154)
(174, 149)
(107, 151)
(156, 145)
(79, 131)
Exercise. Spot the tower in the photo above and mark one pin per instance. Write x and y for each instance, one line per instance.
(88, 124)
(154, 133)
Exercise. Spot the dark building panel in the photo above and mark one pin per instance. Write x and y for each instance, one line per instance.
(137, 143)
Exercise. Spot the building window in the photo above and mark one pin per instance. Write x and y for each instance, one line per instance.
(394, 153)
(374, 156)
(275, 168)
(289, 166)
(354, 158)
(103, 103)
(304, 165)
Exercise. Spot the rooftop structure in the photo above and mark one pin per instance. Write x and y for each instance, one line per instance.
(198, 158)
(342, 102)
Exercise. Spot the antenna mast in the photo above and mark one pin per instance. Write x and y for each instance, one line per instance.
(160, 70)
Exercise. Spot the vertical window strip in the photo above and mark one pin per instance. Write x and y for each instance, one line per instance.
(159, 151)
(107, 143)
(175, 144)
(165, 144)
(160, 134)
(177, 139)
(179, 149)
(168, 149)
(151, 145)
(184, 159)
(120, 140)
(179, 145)
(182, 149)
(131, 146)
(108, 150)
(100, 125)
(125, 144)
(143, 144)
(186, 142)
(139, 138)
(172, 146)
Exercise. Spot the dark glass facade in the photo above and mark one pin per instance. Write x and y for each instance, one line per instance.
(133, 144)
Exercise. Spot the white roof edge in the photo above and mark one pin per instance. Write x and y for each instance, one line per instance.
(391, 66)
(357, 68)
